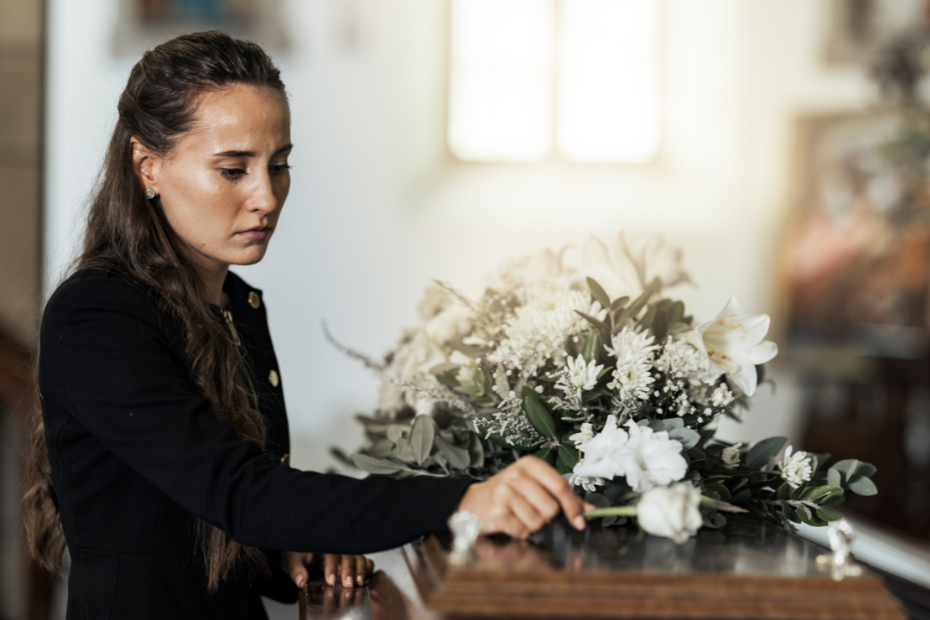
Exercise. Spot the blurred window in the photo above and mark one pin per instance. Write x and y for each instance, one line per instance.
(580, 75)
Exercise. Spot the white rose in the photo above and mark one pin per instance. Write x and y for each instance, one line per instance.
(672, 511)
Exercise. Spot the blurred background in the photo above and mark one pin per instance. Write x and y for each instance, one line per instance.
(781, 144)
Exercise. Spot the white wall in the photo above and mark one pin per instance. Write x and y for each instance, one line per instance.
(377, 209)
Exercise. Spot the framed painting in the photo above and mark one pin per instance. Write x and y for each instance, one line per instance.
(144, 23)
(855, 263)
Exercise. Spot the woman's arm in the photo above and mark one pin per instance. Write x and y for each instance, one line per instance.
(107, 356)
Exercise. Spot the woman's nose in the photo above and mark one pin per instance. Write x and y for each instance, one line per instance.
(263, 197)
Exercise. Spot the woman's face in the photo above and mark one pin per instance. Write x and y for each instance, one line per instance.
(224, 183)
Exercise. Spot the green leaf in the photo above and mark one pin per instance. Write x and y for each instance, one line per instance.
(539, 417)
(818, 493)
(568, 456)
(545, 454)
(376, 466)
(598, 293)
(860, 485)
(475, 450)
(597, 499)
(649, 318)
(834, 478)
(783, 491)
(422, 434)
(590, 319)
(394, 433)
(759, 455)
(591, 349)
(676, 313)
(456, 457)
(825, 514)
(686, 436)
(634, 308)
(719, 489)
(618, 304)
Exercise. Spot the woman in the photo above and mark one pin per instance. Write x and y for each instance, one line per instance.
(161, 456)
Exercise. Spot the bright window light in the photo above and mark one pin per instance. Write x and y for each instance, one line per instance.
(608, 88)
(501, 79)
(583, 71)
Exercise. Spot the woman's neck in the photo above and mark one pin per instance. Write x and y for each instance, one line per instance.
(213, 275)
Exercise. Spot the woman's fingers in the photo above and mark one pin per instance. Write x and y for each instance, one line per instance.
(558, 487)
(525, 513)
(348, 570)
(331, 568)
(295, 565)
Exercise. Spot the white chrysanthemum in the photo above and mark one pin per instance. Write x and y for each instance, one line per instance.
(681, 359)
(796, 468)
(579, 375)
(537, 333)
(634, 352)
(721, 396)
(597, 459)
(730, 456)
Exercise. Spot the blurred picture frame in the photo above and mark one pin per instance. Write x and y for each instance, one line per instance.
(141, 24)
(857, 30)
(854, 264)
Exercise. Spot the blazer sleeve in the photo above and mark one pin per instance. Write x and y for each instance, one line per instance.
(110, 363)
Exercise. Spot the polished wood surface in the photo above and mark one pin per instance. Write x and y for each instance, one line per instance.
(749, 569)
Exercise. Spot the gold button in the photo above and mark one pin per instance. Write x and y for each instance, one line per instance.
(273, 378)
(286, 459)
(254, 300)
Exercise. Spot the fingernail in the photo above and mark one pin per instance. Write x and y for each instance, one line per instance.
(360, 580)
(579, 522)
(348, 582)
(300, 581)
(331, 580)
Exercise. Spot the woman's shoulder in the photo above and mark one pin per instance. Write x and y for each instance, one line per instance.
(95, 290)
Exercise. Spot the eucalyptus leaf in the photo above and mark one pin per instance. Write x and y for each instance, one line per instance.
(722, 492)
(475, 451)
(686, 436)
(394, 433)
(834, 478)
(597, 499)
(456, 457)
(539, 417)
(422, 434)
(376, 466)
(860, 485)
(759, 455)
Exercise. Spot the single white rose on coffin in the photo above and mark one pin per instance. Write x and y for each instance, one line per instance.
(646, 458)
(673, 512)
(734, 343)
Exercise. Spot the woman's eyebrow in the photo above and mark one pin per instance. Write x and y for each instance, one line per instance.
(286, 147)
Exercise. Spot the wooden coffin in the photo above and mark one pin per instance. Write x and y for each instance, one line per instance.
(748, 569)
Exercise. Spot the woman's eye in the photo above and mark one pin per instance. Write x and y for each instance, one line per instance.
(232, 173)
(279, 167)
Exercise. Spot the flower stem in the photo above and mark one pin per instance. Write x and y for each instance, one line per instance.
(615, 511)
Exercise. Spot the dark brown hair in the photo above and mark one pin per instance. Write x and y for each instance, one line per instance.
(129, 234)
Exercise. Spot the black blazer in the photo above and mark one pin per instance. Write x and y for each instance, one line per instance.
(136, 455)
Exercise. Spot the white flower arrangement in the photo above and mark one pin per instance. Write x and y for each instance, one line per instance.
(581, 360)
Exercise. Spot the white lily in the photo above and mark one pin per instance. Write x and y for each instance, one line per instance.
(623, 268)
(734, 343)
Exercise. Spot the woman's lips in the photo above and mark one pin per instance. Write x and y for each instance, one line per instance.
(257, 233)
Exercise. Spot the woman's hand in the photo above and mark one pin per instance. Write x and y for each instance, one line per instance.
(523, 498)
(354, 569)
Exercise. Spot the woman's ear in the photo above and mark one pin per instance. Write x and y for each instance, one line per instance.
(146, 164)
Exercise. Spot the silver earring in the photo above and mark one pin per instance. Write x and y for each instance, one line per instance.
(149, 193)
